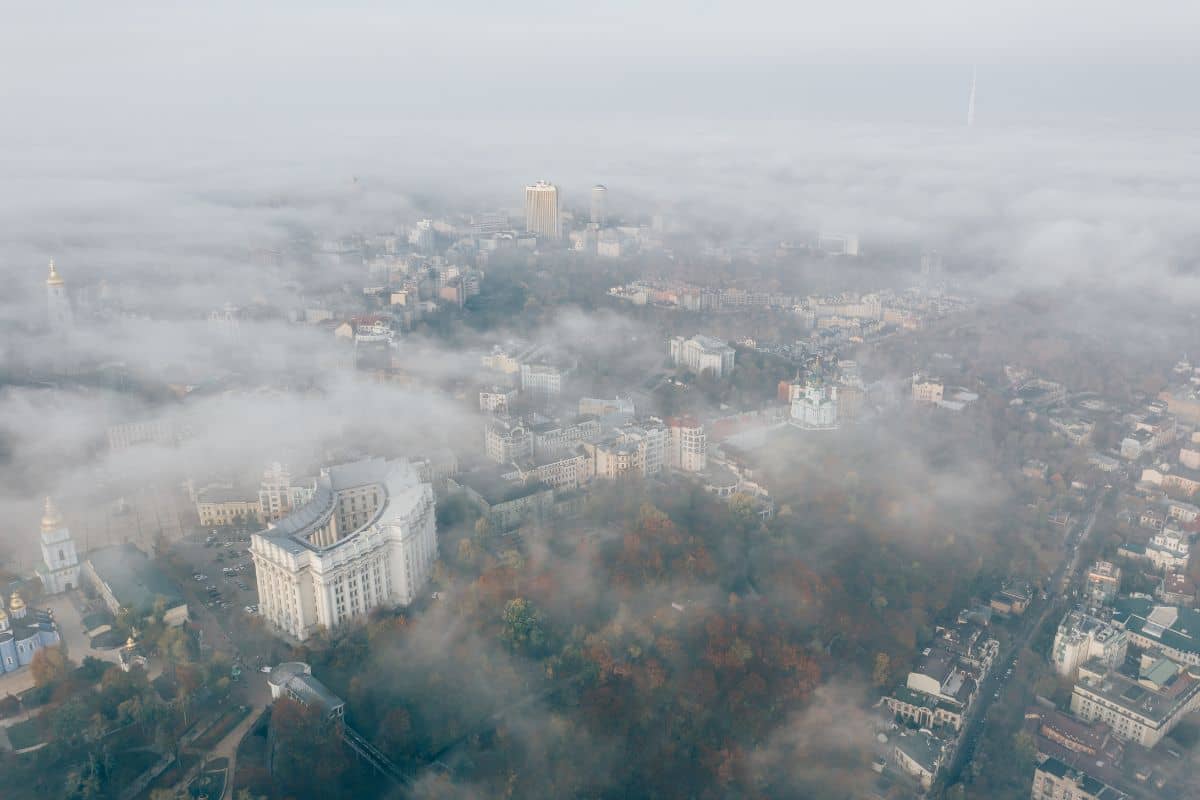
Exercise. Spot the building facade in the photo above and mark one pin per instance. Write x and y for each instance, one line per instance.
(221, 506)
(367, 538)
(541, 382)
(688, 447)
(278, 496)
(599, 210)
(541, 210)
(701, 353)
(507, 440)
(1143, 709)
(1081, 637)
(1055, 780)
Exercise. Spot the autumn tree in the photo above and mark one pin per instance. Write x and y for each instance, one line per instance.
(49, 667)
(523, 628)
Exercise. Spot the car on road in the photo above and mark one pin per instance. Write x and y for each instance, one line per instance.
(200, 576)
(265, 670)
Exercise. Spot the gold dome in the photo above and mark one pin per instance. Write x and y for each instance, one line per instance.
(55, 279)
(51, 519)
(15, 602)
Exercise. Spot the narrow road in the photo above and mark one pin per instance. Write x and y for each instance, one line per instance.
(1057, 587)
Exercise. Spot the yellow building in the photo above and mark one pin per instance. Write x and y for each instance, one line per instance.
(217, 507)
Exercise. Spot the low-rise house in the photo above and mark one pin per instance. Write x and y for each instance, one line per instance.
(1103, 582)
(921, 754)
(1176, 589)
(1169, 549)
(125, 578)
(294, 680)
(1183, 512)
(504, 504)
(1012, 600)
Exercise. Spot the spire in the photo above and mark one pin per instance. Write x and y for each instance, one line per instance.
(51, 519)
(54, 278)
(971, 100)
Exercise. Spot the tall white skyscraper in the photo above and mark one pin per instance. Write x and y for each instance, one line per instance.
(541, 210)
(58, 306)
(599, 204)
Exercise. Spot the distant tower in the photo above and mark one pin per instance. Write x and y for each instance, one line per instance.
(971, 101)
(931, 266)
(599, 204)
(60, 563)
(541, 210)
(58, 306)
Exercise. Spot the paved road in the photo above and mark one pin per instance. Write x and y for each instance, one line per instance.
(1061, 579)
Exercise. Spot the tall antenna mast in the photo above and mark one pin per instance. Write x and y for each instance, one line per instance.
(971, 101)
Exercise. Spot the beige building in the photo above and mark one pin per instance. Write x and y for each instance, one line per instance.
(506, 440)
(541, 210)
(688, 447)
(1082, 637)
(278, 496)
(634, 449)
(219, 506)
(701, 353)
(367, 538)
(1055, 780)
(1143, 709)
(926, 391)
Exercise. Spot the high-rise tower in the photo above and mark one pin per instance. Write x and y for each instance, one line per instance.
(58, 306)
(599, 204)
(971, 101)
(541, 210)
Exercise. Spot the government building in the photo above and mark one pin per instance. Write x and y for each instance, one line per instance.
(367, 538)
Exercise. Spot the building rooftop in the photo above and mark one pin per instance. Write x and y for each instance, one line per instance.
(1175, 627)
(1153, 701)
(133, 579)
(296, 678)
(923, 747)
(1089, 785)
(394, 478)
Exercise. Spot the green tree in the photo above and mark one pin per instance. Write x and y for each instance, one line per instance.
(882, 674)
(523, 628)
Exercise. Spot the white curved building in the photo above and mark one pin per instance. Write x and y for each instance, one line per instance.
(367, 538)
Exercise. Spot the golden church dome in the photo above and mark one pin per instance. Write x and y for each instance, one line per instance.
(54, 279)
(51, 519)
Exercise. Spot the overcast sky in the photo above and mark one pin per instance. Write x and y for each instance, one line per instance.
(132, 68)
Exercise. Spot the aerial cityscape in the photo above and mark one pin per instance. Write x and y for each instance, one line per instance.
(623, 402)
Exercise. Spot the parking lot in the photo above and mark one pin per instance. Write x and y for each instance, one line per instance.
(223, 570)
(217, 575)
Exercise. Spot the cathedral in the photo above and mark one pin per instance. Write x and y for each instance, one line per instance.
(23, 631)
(58, 305)
(60, 563)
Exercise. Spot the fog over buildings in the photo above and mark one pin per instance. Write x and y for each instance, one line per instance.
(765, 382)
